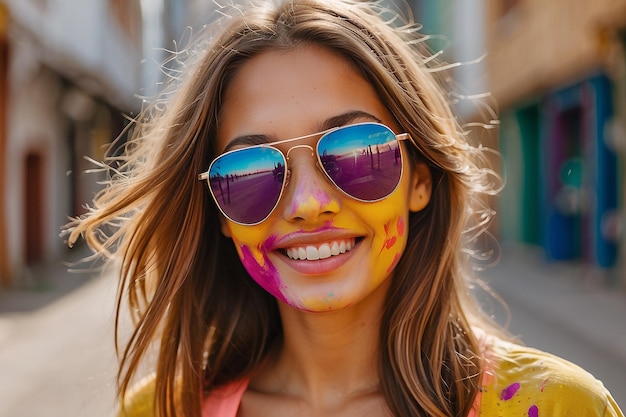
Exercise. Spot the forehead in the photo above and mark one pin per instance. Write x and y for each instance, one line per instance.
(291, 93)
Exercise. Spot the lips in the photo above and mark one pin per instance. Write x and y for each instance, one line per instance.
(320, 251)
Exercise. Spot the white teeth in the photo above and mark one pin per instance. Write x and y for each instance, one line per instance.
(323, 251)
(312, 253)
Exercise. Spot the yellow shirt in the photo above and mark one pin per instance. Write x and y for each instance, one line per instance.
(522, 381)
(518, 382)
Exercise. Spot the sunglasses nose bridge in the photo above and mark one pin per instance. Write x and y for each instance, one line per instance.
(311, 150)
(309, 147)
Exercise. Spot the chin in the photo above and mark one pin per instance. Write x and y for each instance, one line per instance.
(318, 304)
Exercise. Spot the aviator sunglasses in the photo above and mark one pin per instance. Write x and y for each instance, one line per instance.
(363, 160)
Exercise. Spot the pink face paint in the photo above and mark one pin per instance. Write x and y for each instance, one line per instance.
(390, 242)
(400, 225)
(315, 196)
(268, 244)
(322, 197)
(510, 391)
(396, 259)
(265, 275)
(533, 411)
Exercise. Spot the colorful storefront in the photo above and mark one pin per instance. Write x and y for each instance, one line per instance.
(563, 174)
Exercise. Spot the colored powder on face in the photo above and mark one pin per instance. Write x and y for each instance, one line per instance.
(316, 198)
(390, 242)
(268, 244)
(394, 263)
(400, 225)
(329, 297)
(510, 391)
(267, 277)
(533, 411)
(322, 197)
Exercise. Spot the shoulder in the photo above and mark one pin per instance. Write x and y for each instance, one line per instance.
(139, 401)
(528, 382)
(223, 401)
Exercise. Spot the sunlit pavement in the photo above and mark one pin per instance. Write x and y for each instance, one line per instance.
(56, 342)
(56, 352)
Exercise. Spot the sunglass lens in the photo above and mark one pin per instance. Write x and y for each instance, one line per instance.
(363, 160)
(247, 183)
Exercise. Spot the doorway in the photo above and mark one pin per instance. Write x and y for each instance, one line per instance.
(33, 208)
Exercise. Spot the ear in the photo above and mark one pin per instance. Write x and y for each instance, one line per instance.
(421, 187)
(225, 228)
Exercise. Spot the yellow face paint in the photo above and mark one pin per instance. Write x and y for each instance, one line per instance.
(375, 255)
(319, 250)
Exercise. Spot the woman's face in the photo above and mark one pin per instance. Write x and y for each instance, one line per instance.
(297, 92)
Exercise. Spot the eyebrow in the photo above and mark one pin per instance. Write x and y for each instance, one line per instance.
(333, 122)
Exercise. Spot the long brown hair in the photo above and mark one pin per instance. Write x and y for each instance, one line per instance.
(182, 278)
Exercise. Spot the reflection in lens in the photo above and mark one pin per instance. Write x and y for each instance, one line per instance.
(363, 160)
(246, 183)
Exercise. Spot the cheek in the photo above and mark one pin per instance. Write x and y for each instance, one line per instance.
(250, 245)
(390, 237)
(394, 242)
(400, 228)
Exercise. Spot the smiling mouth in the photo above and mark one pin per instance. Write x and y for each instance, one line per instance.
(322, 251)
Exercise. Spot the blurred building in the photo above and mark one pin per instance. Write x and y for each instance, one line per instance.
(456, 28)
(68, 76)
(72, 73)
(557, 71)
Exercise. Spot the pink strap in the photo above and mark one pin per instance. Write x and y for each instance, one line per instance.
(224, 401)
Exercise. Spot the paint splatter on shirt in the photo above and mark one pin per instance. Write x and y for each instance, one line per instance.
(509, 391)
(525, 382)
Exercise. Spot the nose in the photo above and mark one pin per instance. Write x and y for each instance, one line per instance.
(309, 196)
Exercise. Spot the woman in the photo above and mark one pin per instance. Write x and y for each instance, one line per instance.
(291, 227)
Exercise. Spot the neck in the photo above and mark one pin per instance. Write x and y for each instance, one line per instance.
(330, 357)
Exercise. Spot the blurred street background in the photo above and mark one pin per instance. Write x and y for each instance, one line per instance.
(72, 72)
